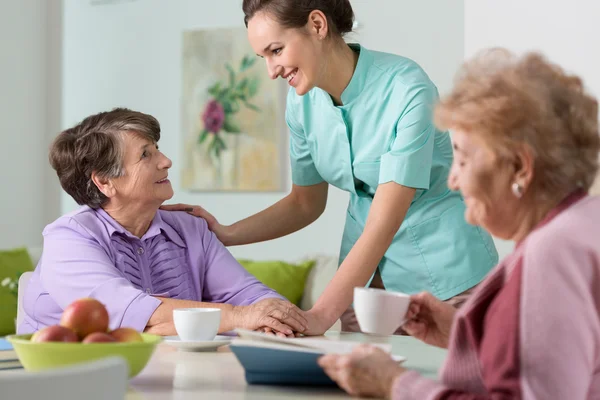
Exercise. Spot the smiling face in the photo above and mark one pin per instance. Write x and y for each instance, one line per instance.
(484, 180)
(145, 180)
(293, 54)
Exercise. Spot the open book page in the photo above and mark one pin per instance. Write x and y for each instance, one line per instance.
(319, 344)
(8, 355)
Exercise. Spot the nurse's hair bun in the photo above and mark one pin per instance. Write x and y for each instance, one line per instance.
(294, 13)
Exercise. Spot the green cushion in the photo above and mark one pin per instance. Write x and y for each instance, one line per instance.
(12, 264)
(286, 279)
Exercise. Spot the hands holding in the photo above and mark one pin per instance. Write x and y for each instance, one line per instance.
(316, 324)
(428, 319)
(272, 316)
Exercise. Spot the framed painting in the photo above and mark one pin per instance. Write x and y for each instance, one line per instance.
(233, 125)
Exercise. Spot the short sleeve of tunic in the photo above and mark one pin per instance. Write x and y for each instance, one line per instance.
(409, 160)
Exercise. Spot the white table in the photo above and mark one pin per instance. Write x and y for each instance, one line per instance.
(179, 375)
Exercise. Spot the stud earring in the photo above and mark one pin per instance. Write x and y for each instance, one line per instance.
(517, 190)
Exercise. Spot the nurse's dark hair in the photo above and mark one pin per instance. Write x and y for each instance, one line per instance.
(96, 145)
(294, 13)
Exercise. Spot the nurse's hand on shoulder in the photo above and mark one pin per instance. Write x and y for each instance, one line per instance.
(198, 211)
(429, 319)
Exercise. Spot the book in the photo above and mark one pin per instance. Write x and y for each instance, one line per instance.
(271, 360)
(7, 352)
(5, 345)
(10, 364)
(8, 356)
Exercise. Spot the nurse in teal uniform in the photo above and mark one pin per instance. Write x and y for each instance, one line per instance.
(361, 120)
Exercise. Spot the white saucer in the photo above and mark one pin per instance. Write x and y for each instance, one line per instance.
(201, 345)
(398, 359)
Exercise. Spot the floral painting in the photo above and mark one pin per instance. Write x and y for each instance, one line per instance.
(234, 134)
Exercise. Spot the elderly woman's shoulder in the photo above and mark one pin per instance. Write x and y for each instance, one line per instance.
(572, 233)
(84, 220)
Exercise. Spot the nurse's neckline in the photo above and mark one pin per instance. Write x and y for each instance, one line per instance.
(357, 82)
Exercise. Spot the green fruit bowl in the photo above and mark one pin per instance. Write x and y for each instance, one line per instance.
(48, 355)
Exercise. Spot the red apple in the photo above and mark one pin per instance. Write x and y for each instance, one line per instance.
(54, 333)
(98, 337)
(85, 316)
(126, 335)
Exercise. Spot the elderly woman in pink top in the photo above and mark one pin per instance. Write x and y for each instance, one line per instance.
(526, 141)
(119, 248)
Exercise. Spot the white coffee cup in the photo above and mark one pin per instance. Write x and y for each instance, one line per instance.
(197, 324)
(380, 311)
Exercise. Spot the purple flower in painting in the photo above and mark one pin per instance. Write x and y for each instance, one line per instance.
(213, 116)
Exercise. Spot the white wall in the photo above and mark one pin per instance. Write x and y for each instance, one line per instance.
(567, 32)
(129, 55)
(28, 200)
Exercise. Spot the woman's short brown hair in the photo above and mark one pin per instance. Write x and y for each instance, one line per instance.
(96, 145)
(511, 101)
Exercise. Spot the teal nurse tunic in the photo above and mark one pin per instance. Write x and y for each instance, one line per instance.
(382, 133)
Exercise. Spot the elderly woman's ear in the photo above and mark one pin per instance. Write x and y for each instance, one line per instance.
(524, 164)
(105, 185)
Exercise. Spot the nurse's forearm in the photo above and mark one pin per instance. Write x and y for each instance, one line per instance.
(389, 207)
(356, 270)
(295, 211)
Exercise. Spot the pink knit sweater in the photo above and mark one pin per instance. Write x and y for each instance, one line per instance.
(531, 330)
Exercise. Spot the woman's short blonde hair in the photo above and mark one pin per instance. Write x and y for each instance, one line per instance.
(512, 101)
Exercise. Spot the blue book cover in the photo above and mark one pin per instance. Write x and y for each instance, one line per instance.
(5, 344)
(271, 366)
(270, 360)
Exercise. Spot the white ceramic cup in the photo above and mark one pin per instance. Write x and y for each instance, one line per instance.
(380, 311)
(197, 324)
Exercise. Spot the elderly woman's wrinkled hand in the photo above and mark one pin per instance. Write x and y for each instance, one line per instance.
(367, 371)
(276, 314)
(429, 319)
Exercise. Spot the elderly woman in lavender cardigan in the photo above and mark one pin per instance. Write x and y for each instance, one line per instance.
(526, 141)
(119, 248)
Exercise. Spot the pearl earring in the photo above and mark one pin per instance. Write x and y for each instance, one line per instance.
(517, 190)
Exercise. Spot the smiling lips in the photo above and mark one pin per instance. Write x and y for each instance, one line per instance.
(291, 76)
(164, 180)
